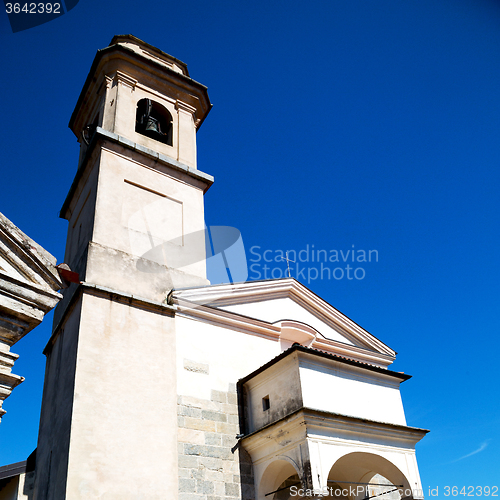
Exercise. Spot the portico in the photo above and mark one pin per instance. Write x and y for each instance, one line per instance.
(296, 435)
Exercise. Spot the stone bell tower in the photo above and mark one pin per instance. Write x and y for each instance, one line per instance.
(136, 230)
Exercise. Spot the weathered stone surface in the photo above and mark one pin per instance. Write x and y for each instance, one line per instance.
(190, 496)
(247, 491)
(214, 416)
(227, 428)
(232, 490)
(189, 411)
(190, 436)
(215, 476)
(233, 419)
(211, 463)
(199, 424)
(193, 366)
(213, 439)
(187, 485)
(229, 440)
(197, 403)
(187, 461)
(219, 396)
(220, 487)
(204, 487)
(224, 472)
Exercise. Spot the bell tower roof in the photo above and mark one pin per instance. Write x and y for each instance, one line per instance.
(151, 52)
(142, 63)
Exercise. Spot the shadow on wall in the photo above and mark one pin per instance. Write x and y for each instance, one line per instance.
(246, 475)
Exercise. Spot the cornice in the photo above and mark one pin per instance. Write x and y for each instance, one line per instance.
(152, 66)
(124, 79)
(329, 427)
(111, 294)
(101, 134)
(31, 294)
(226, 319)
(30, 259)
(8, 382)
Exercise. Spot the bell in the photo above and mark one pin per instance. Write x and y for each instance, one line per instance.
(88, 133)
(152, 125)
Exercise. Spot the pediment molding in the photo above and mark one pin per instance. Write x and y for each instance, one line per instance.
(29, 261)
(28, 282)
(220, 296)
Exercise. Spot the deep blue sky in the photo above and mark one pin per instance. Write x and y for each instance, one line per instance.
(372, 123)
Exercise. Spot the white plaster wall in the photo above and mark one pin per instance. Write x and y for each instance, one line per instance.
(124, 419)
(147, 214)
(26, 486)
(230, 354)
(57, 406)
(187, 138)
(125, 184)
(351, 391)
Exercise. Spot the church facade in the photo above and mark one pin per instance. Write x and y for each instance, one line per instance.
(159, 385)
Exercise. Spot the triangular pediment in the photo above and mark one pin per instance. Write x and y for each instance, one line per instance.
(7, 269)
(28, 277)
(295, 312)
(23, 259)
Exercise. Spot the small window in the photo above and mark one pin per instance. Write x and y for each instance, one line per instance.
(154, 121)
(265, 403)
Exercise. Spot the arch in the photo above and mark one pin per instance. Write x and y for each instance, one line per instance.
(154, 121)
(274, 475)
(293, 331)
(357, 468)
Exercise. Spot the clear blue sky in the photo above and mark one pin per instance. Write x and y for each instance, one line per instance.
(372, 123)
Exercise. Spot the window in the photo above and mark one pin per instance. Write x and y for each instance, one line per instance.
(154, 121)
(265, 403)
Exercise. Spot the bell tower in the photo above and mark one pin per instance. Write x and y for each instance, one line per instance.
(136, 230)
(137, 192)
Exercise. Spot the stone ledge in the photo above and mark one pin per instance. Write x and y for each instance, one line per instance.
(101, 133)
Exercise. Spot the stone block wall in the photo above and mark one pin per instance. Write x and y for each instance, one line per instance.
(212, 464)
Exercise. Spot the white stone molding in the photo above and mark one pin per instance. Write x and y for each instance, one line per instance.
(28, 290)
(124, 79)
(182, 106)
(296, 332)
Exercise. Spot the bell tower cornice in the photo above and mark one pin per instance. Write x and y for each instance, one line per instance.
(176, 169)
(122, 78)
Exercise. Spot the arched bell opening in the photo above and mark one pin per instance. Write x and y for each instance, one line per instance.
(366, 476)
(154, 121)
(277, 479)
